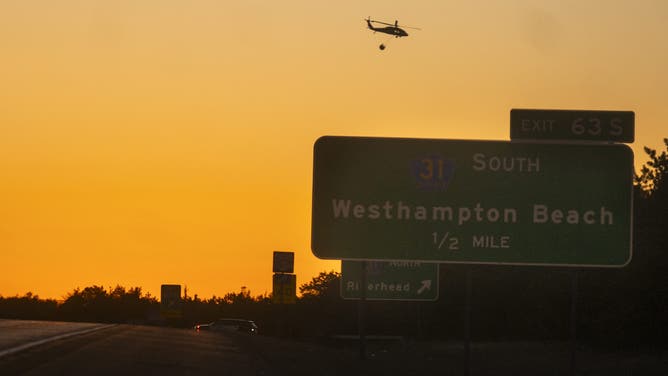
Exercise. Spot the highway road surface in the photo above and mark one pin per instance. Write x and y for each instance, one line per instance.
(132, 350)
(19, 335)
(52, 348)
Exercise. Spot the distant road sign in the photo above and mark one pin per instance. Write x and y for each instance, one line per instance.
(529, 124)
(170, 301)
(284, 289)
(394, 280)
(284, 262)
(488, 202)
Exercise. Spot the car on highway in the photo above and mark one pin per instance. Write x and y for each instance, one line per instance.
(228, 325)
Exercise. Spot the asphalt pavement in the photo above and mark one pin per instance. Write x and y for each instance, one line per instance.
(146, 350)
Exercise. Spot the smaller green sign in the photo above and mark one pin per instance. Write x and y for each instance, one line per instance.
(616, 126)
(390, 280)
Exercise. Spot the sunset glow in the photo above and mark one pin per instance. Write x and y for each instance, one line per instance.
(157, 142)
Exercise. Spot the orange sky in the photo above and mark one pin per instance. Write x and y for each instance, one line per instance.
(171, 141)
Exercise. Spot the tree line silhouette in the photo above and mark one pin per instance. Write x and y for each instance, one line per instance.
(626, 306)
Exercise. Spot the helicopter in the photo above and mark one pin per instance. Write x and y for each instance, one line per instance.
(391, 29)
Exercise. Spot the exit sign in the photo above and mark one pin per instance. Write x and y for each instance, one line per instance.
(612, 126)
(473, 202)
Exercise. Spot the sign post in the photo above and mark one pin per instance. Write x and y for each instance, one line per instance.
(361, 313)
(284, 283)
(171, 305)
(472, 202)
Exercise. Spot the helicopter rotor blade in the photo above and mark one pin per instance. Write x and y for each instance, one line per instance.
(409, 27)
(382, 23)
(395, 24)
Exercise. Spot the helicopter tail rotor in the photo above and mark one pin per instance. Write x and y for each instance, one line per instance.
(368, 22)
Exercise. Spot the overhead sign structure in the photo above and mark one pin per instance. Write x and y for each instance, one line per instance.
(475, 202)
(284, 262)
(284, 289)
(529, 124)
(393, 280)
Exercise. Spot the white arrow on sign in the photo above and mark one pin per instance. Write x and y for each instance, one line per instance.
(426, 285)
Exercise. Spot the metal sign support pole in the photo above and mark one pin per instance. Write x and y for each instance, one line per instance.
(361, 308)
(574, 317)
(467, 324)
(419, 320)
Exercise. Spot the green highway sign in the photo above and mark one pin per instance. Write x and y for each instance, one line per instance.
(475, 202)
(528, 124)
(393, 280)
